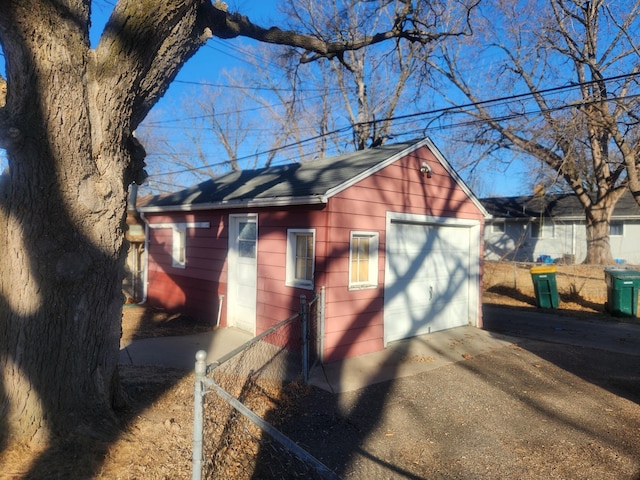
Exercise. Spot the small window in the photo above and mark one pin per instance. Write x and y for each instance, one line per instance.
(497, 227)
(300, 258)
(179, 247)
(616, 228)
(363, 260)
(542, 229)
(247, 239)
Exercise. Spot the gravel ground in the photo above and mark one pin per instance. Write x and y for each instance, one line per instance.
(529, 411)
(533, 410)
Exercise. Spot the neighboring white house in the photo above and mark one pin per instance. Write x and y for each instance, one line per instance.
(528, 228)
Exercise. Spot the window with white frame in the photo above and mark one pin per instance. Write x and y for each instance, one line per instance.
(542, 229)
(498, 227)
(616, 228)
(300, 257)
(179, 246)
(363, 260)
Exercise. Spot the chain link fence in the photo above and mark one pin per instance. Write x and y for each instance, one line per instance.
(239, 398)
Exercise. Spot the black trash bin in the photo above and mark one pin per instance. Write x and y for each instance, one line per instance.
(622, 292)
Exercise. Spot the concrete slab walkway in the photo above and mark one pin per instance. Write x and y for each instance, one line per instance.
(405, 358)
(180, 351)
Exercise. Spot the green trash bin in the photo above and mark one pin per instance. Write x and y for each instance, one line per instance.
(545, 287)
(622, 291)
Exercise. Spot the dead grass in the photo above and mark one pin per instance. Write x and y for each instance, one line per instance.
(156, 442)
(581, 288)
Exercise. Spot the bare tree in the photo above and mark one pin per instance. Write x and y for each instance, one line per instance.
(67, 126)
(586, 131)
(341, 102)
(368, 87)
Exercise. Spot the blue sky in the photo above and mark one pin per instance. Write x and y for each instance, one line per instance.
(217, 55)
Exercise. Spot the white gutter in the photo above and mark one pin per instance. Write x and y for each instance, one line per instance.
(145, 276)
(253, 203)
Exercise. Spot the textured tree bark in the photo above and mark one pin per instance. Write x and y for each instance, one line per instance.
(62, 231)
(67, 127)
(598, 245)
(68, 121)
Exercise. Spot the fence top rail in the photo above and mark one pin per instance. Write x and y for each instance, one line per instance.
(254, 340)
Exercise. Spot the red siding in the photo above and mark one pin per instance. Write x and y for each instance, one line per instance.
(195, 289)
(354, 318)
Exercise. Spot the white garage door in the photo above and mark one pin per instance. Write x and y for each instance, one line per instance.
(430, 276)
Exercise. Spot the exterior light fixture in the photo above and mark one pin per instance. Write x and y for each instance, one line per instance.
(425, 169)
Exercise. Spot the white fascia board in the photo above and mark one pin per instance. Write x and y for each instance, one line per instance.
(254, 203)
(425, 142)
(180, 225)
(447, 166)
(367, 173)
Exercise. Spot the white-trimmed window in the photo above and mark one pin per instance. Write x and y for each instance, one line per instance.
(300, 257)
(616, 228)
(363, 260)
(179, 246)
(498, 227)
(542, 229)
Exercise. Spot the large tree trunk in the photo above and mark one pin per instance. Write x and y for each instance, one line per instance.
(62, 223)
(67, 128)
(598, 246)
(68, 121)
(598, 217)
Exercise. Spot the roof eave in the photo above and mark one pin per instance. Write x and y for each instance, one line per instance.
(237, 204)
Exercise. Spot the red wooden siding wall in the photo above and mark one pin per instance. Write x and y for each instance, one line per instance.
(354, 319)
(195, 289)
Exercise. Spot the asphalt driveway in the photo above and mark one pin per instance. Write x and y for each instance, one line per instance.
(534, 395)
(561, 401)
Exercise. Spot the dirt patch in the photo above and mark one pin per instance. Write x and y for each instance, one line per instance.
(155, 443)
(144, 322)
(582, 289)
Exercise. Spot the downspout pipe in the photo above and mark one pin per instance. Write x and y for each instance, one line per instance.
(145, 258)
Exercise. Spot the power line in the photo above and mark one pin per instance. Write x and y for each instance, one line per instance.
(448, 110)
(268, 89)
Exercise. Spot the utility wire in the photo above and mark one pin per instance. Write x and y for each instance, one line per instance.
(449, 110)
(497, 100)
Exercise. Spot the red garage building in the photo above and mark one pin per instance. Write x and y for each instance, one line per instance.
(392, 236)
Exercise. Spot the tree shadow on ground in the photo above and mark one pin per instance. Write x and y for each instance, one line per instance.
(575, 297)
(513, 293)
(83, 454)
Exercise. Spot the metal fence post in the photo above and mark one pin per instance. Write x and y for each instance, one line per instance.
(198, 414)
(304, 313)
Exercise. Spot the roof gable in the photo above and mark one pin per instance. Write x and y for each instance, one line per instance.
(298, 183)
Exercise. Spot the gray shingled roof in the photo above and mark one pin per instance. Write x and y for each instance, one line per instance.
(298, 180)
(556, 206)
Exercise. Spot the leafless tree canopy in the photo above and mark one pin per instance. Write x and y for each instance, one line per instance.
(572, 68)
(67, 116)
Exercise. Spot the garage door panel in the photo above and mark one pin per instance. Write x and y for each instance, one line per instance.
(427, 279)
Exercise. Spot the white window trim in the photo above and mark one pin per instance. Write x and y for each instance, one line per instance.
(372, 281)
(179, 239)
(179, 246)
(617, 222)
(291, 280)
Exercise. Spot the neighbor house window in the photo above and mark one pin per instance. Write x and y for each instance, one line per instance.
(179, 246)
(616, 228)
(363, 260)
(543, 229)
(300, 258)
(497, 227)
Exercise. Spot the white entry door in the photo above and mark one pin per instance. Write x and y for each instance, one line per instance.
(242, 276)
(430, 277)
